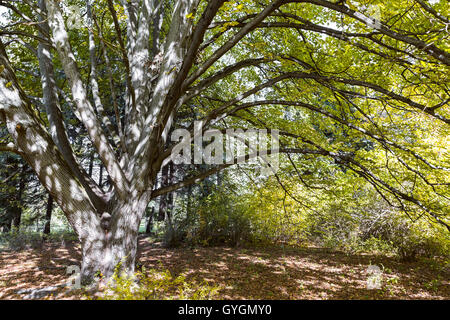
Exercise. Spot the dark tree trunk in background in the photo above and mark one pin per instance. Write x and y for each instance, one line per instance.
(170, 194)
(169, 209)
(91, 164)
(148, 228)
(17, 209)
(189, 202)
(48, 215)
(100, 178)
(16, 218)
(166, 205)
(163, 201)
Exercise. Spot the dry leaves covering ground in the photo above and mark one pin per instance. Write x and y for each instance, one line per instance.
(266, 273)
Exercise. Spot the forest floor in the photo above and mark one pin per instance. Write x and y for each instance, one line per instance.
(238, 273)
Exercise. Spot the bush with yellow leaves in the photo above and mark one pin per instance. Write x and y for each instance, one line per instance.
(155, 285)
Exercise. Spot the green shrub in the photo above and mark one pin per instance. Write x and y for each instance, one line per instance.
(378, 229)
(219, 218)
(411, 240)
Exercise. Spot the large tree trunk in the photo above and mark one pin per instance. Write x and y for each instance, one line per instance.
(113, 243)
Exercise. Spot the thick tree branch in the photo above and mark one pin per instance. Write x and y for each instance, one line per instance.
(39, 150)
(83, 105)
(57, 127)
(233, 41)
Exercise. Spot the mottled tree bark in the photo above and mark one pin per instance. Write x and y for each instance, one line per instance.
(113, 243)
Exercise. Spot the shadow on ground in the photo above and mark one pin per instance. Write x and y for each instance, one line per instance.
(259, 273)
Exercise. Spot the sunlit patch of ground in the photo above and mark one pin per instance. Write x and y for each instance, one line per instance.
(260, 273)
